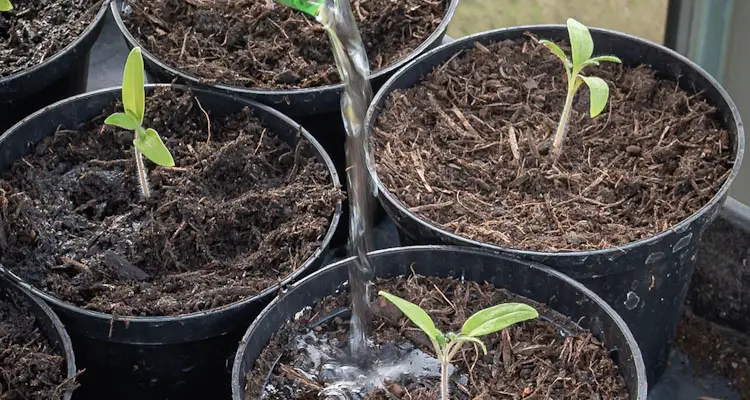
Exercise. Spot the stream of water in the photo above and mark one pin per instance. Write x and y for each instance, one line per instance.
(354, 69)
(366, 367)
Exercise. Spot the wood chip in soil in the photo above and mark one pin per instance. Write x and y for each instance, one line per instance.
(531, 360)
(31, 368)
(36, 30)
(263, 45)
(239, 213)
(656, 155)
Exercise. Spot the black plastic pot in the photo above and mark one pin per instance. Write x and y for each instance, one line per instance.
(63, 75)
(318, 109)
(645, 281)
(160, 358)
(48, 323)
(523, 278)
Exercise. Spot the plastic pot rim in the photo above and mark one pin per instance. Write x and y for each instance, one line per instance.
(376, 107)
(395, 66)
(70, 359)
(47, 61)
(289, 279)
(619, 322)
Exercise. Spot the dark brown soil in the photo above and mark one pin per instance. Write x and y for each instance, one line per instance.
(720, 288)
(656, 155)
(256, 44)
(29, 367)
(37, 29)
(531, 360)
(716, 349)
(240, 212)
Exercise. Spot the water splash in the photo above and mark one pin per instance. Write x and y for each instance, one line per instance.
(319, 358)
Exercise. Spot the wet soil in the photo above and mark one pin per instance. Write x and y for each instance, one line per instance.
(263, 45)
(31, 368)
(239, 212)
(720, 287)
(716, 349)
(445, 148)
(38, 29)
(531, 360)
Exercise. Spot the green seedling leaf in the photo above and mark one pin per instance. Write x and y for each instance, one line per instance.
(122, 120)
(556, 50)
(133, 94)
(311, 7)
(5, 5)
(153, 148)
(417, 315)
(607, 59)
(581, 44)
(599, 94)
(496, 318)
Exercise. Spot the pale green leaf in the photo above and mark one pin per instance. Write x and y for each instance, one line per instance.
(311, 7)
(473, 340)
(581, 44)
(133, 94)
(556, 50)
(122, 120)
(5, 5)
(599, 91)
(154, 149)
(496, 318)
(417, 315)
(607, 59)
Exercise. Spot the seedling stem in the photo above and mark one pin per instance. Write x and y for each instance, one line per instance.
(146, 142)
(446, 345)
(581, 48)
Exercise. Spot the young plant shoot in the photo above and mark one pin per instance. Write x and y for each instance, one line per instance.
(146, 142)
(446, 345)
(5, 5)
(582, 48)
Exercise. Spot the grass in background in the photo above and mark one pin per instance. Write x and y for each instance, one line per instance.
(644, 18)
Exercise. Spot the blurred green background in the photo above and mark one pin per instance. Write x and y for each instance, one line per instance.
(644, 18)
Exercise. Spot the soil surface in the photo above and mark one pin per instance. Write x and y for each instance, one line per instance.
(263, 45)
(720, 288)
(36, 30)
(531, 360)
(239, 213)
(31, 368)
(716, 349)
(446, 149)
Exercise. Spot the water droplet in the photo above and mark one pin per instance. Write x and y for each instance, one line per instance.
(682, 243)
(634, 285)
(632, 301)
(655, 257)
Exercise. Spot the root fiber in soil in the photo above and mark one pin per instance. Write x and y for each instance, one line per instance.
(36, 30)
(446, 149)
(527, 360)
(239, 212)
(31, 368)
(263, 45)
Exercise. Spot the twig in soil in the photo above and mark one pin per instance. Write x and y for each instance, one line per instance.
(208, 119)
(79, 266)
(514, 143)
(294, 375)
